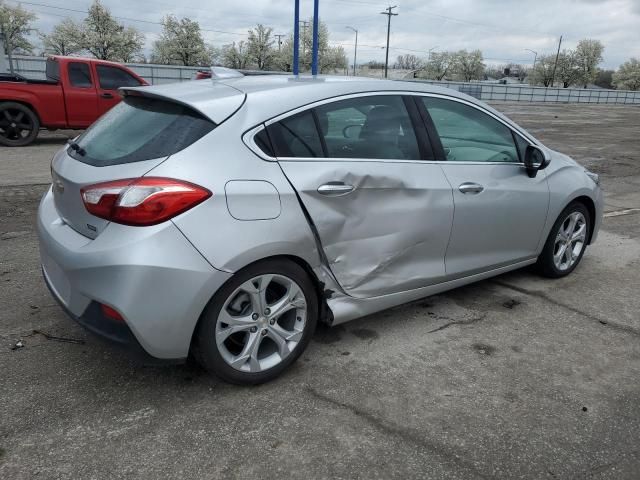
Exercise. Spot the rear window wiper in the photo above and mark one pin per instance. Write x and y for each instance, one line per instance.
(77, 148)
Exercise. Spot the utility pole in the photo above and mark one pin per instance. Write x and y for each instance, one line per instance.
(355, 51)
(389, 14)
(555, 65)
(279, 36)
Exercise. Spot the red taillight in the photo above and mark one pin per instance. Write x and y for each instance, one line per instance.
(142, 201)
(111, 313)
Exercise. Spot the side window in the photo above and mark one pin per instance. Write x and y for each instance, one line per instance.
(296, 136)
(467, 134)
(112, 78)
(368, 127)
(79, 75)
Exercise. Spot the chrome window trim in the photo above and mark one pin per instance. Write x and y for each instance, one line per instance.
(248, 136)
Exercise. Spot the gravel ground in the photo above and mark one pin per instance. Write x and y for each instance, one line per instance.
(513, 377)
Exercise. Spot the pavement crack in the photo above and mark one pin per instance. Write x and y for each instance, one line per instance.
(459, 322)
(603, 321)
(406, 434)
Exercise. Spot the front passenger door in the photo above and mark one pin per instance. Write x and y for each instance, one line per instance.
(499, 211)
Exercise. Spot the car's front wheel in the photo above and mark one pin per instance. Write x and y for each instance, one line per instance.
(258, 323)
(566, 243)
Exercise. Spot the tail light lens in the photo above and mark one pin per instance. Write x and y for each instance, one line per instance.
(142, 201)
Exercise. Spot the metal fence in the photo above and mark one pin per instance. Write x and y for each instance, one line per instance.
(34, 67)
(525, 93)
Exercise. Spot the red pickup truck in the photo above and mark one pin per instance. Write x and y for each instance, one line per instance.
(76, 92)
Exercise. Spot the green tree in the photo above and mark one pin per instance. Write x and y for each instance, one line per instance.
(181, 43)
(604, 78)
(628, 75)
(15, 26)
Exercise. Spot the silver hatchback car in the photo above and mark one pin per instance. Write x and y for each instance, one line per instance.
(225, 218)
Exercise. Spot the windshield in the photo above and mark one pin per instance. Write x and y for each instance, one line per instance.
(137, 129)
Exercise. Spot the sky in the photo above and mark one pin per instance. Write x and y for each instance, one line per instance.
(502, 29)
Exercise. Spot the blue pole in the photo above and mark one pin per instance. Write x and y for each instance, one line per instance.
(314, 58)
(296, 37)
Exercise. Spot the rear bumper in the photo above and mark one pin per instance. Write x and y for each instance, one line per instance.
(152, 276)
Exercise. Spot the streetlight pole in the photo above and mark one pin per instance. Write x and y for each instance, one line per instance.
(389, 14)
(355, 50)
(534, 58)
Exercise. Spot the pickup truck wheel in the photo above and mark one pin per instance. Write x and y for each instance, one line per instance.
(19, 125)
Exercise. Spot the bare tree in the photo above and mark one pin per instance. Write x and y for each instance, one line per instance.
(181, 43)
(15, 25)
(64, 39)
(409, 62)
(260, 46)
(628, 75)
(468, 65)
(588, 55)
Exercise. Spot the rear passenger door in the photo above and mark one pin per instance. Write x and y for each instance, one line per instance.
(383, 215)
(79, 95)
(499, 211)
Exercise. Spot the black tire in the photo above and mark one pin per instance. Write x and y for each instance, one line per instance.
(19, 125)
(545, 264)
(206, 350)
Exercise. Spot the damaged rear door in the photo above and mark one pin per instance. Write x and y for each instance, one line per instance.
(382, 213)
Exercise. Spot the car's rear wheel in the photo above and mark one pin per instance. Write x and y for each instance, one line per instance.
(19, 125)
(258, 323)
(566, 243)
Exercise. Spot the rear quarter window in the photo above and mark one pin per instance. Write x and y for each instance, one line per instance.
(140, 128)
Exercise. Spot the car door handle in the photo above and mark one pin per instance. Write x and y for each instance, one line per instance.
(335, 189)
(106, 95)
(469, 187)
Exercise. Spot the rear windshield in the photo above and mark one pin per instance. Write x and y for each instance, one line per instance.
(53, 69)
(137, 129)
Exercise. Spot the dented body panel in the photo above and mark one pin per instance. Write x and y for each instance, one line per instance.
(390, 233)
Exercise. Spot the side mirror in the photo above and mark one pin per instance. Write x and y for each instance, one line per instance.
(535, 159)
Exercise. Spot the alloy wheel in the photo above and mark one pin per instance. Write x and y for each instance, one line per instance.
(261, 323)
(570, 241)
